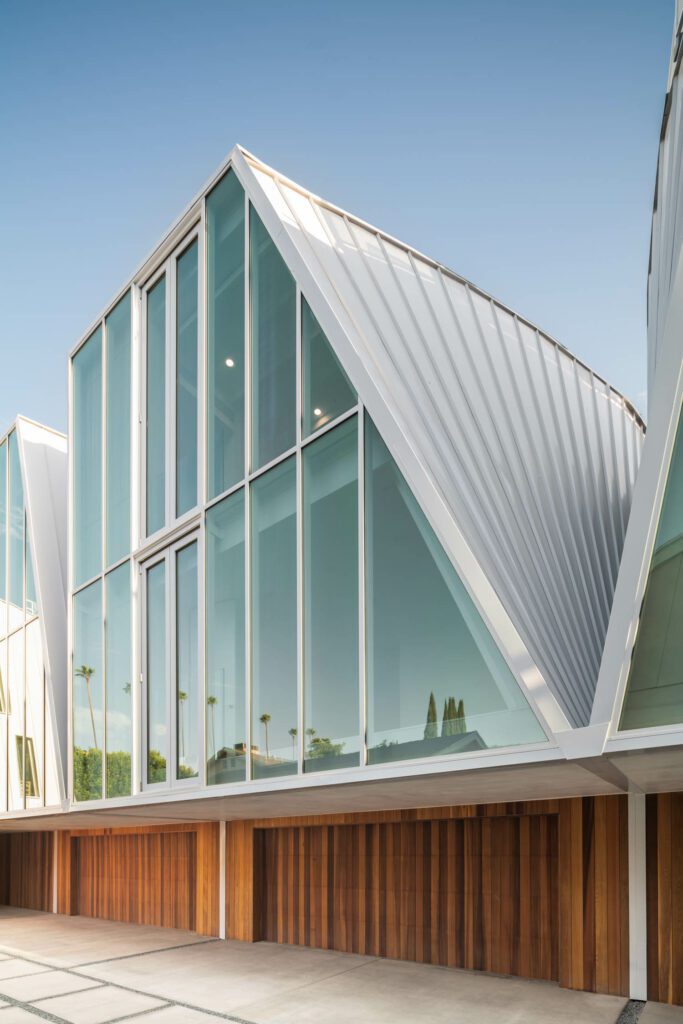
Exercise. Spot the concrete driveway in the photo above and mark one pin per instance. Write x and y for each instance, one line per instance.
(85, 971)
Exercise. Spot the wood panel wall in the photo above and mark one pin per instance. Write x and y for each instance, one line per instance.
(167, 876)
(664, 849)
(591, 916)
(478, 893)
(26, 863)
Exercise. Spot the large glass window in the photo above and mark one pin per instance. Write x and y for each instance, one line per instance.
(16, 536)
(3, 538)
(156, 665)
(327, 391)
(330, 531)
(118, 336)
(654, 693)
(437, 683)
(87, 460)
(273, 334)
(187, 664)
(34, 741)
(274, 617)
(118, 681)
(156, 407)
(186, 380)
(17, 705)
(225, 641)
(225, 334)
(88, 693)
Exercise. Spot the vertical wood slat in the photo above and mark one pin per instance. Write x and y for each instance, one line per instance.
(593, 904)
(26, 863)
(664, 842)
(445, 892)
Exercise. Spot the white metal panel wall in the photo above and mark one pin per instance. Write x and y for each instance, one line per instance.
(534, 456)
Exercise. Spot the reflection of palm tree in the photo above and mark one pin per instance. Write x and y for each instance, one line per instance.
(293, 733)
(264, 719)
(86, 672)
(182, 697)
(212, 701)
(126, 688)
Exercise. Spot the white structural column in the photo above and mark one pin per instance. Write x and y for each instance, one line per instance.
(637, 896)
(221, 880)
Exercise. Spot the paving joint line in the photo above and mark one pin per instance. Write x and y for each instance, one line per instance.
(113, 984)
(36, 1010)
(55, 995)
(145, 952)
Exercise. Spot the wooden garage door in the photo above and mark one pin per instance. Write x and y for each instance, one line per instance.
(478, 893)
(146, 878)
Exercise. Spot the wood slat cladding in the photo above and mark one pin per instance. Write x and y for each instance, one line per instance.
(159, 875)
(26, 863)
(593, 871)
(477, 892)
(140, 879)
(664, 843)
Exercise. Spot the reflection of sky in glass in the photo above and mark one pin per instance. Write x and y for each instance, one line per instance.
(87, 654)
(671, 521)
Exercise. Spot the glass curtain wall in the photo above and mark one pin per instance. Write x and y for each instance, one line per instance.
(654, 691)
(330, 536)
(225, 335)
(327, 390)
(156, 407)
(156, 665)
(86, 533)
(274, 622)
(3, 546)
(118, 681)
(15, 610)
(88, 693)
(273, 348)
(187, 352)
(187, 663)
(118, 467)
(226, 733)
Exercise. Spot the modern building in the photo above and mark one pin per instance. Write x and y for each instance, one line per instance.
(372, 617)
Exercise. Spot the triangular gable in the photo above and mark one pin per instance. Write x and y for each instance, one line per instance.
(386, 395)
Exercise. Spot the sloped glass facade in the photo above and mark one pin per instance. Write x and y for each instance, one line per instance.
(654, 691)
(291, 610)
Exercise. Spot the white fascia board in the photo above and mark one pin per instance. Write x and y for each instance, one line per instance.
(340, 329)
(43, 458)
(648, 495)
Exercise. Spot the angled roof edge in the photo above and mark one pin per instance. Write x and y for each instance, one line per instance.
(43, 459)
(340, 330)
(648, 495)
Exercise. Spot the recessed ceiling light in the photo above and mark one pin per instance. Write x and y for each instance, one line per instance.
(229, 362)
(317, 412)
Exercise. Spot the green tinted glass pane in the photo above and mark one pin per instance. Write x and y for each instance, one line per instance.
(330, 535)
(17, 704)
(88, 693)
(654, 692)
(35, 716)
(225, 334)
(157, 727)
(327, 390)
(186, 381)
(274, 653)
(15, 608)
(273, 340)
(87, 460)
(437, 683)
(225, 641)
(119, 681)
(187, 664)
(156, 407)
(117, 327)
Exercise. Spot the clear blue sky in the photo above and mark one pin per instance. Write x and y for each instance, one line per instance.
(514, 141)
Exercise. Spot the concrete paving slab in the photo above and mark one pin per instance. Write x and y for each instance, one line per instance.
(96, 1006)
(393, 992)
(39, 986)
(661, 1013)
(175, 1015)
(224, 975)
(18, 968)
(49, 937)
(17, 1015)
